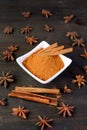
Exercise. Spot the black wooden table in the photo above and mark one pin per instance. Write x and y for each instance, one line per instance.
(10, 15)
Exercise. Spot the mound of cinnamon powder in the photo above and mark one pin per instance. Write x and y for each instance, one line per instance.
(43, 66)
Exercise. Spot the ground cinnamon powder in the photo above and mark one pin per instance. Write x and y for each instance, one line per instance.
(43, 66)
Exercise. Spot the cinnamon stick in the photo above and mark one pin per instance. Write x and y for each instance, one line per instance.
(55, 50)
(34, 97)
(49, 48)
(64, 51)
(38, 90)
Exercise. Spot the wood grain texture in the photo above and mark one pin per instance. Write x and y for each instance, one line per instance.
(10, 15)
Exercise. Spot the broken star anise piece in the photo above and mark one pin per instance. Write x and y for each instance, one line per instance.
(65, 109)
(6, 78)
(67, 90)
(31, 40)
(72, 35)
(79, 80)
(26, 29)
(3, 102)
(78, 42)
(8, 30)
(85, 54)
(68, 18)
(44, 122)
(20, 111)
(8, 55)
(48, 28)
(46, 13)
(26, 14)
(85, 68)
(13, 48)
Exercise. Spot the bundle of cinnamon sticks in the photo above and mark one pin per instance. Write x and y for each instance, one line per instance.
(54, 49)
(30, 93)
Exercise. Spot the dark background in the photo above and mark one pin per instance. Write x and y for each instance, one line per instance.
(10, 15)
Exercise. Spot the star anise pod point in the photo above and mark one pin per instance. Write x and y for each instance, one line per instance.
(72, 35)
(26, 14)
(8, 30)
(48, 28)
(26, 29)
(20, 112)
(78, 42)
(67, 90)
(85, 54)
(8, 55)
(79, 79)
(13, 48)
(68, 18)
(46, 13)
(44, 122)
(3, 102)
(31, 40)
(65, 110)
(6, 78)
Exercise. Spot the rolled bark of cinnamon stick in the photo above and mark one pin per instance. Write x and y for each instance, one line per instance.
(64, 51)
(38, 90)
(34, 97)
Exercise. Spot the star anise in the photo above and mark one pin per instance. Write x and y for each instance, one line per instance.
(85, 54)
(6, 78)
(26, 14)
(67, 90)
(79, 80)
(13, 48)
(85, 68)
(68, 18)
(8, 55)
(44, 122)
(20, 111)
(79, 42)
(3, 102)
(48, 28)
(31, 40)
(65, 109)
(8, 30)
(72, 35)
(26, 29)
(46, 13)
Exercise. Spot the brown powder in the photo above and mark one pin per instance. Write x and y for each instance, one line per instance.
(43, 66)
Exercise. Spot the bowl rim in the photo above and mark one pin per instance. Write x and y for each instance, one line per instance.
(67, 61)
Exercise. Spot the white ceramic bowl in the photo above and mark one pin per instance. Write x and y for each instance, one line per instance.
(67, 61)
